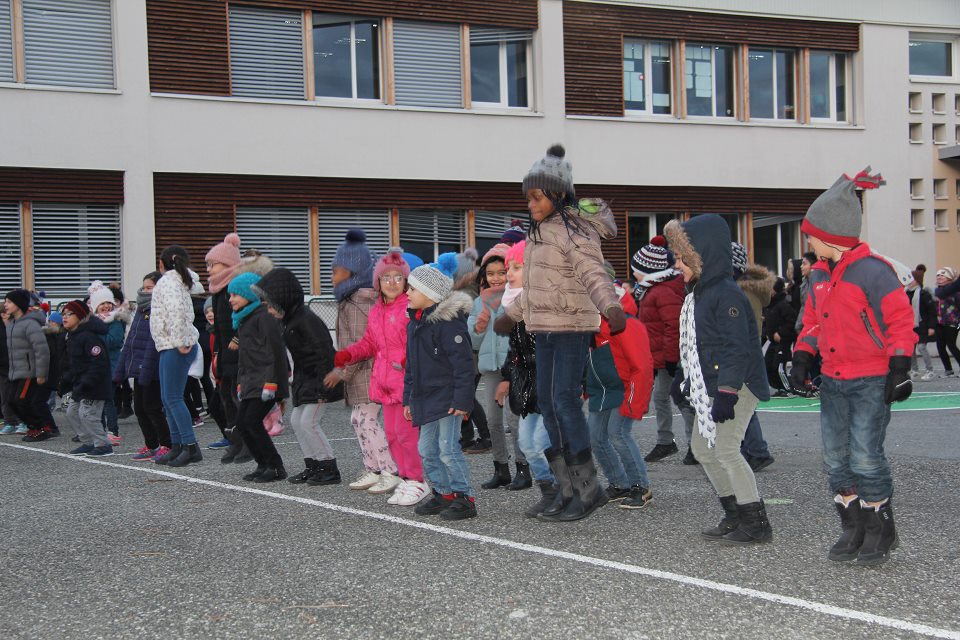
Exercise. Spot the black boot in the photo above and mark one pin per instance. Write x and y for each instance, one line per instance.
(189, 453)
(256, 473)
(754, 527)
(236, 445)
(730, 521)
(558, 464)
(307, 473)
(272, 474)
(244, 455)
(327, 473)
(588, 495)
(501, 476)
(175, 450)
(880, 534)
(848, 546)
(522, 479)
(548, 491)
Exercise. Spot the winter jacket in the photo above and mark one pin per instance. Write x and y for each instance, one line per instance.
(385, 340)
(565, 287)
(263, 358)
(87, 372)
(491, 348)
(353, 313)
(28, 353)
(928, 315)
(857, 316)
(780, 318)
(440, 371)
(728, 340)
(948, 310)
(171, 319)
(660, 314)
(4, 353)
(620, 370)
(139, 358)
(520, 370)
(57, 345)
(200, 322)
(757, 283)
(804, 291)
(116, 332)
(306, 336)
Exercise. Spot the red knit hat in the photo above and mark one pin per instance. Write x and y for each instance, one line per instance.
(77, 308)
(516, 252)
(227, 252)
(498, 250)
(393, 261)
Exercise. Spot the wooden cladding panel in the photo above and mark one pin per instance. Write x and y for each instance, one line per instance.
(61, 185)
(521, 14)
(593, 51)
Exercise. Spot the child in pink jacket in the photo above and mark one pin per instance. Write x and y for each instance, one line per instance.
(385, 340)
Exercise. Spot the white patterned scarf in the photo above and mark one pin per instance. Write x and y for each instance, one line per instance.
(642, 286)
(690, 360)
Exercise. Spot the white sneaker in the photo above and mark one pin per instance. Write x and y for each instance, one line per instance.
(929, 375)
(397, 492)
(364, 482)
(387, 483)
(414, 493)
(914, 375)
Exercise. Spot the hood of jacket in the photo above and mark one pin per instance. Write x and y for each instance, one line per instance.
(451, 308)
(757, 281)
(36, 316)
(703, 243)
(596, 213)
(260, 265)
(92, 324)
(281, 288)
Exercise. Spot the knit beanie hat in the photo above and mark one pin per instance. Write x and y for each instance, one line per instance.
(20, 297)
(413, 261)
(242, 286)
(353, 254)
(497, 251)
(516, 252)
(651, 257)
(835, 217)
(98, 294)
(466, 263)
(947, 272)
(514, 234)
(551, 173)
(77, 308)
(227, 252)
(56, 318)
(393, 261)
(739, 253)
(208, 304)
(435, 280)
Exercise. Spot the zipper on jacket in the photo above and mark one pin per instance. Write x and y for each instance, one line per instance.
(599, 379)
(630, 398)
(873, 335)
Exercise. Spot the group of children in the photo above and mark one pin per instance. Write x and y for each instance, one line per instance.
(549, 327)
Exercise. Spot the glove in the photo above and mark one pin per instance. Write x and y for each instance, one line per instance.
(723, 404)
(617, 320)
(341, 359)
(503, 325)
(899, 387)
(268, 393)
(671, 368)
(802, 363)
(676, 390)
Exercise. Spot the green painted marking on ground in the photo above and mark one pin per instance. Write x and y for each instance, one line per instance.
(919, 401)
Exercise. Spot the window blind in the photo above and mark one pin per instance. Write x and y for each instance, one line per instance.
(68, 43)
(281, 233)
(11, 258)
(6, 42)
(489, 35)
(333, 226)
(74, 244)
(266, 53)
(427, 71)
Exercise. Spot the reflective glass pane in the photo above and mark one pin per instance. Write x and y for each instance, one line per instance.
(634, 95)
(660, 70)
(931, 58)
(367, 42)
(841, 62)
(517, 74)
(761, 83)
(820, 90)
(723, 68)
(331, 61)
(785, 85)
(485, 72)
(699, 80)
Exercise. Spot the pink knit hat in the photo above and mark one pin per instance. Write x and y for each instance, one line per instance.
(498, 251)
(393, 261)
(516, 252)
(227, 252)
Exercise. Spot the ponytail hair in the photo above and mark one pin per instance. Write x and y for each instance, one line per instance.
(176, 258)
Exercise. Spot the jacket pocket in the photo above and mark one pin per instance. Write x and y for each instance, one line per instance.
(869, 327)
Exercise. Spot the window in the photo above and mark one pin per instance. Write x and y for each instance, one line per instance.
(281, 233)
(772, 84)
(266, 53)
(931, 56)
(916, 220)
(916, 188)
(74, 244)
(776, 239)
(646, 76)
(939, 134)
(332, 229)
(939, 103)
(956, 134)
(489, 227)
(940, 188)
(11, 258)
(828, 86)
(709, 80)
(7, 72)
(427, 234)
(916, 132)
(940, 220)
(346, 57)
(915, 102)
(426, 64)
(499, 67)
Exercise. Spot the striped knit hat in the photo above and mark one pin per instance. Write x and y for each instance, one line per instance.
(739, 253)
(652, 257)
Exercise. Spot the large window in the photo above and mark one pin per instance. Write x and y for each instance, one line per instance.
(709, 80)
(776, 240)
(11, 260)
(646, 76)
(346, 57)
(266, 53)
(932, 56)
(499, 64)
(427, 234)
(828, 86)
(74, 244)
(772, 84)
(426, 64)
(280, 232)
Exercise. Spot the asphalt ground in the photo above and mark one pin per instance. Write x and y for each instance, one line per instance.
(122, 549)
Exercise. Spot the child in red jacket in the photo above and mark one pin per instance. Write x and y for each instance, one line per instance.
(858, 318)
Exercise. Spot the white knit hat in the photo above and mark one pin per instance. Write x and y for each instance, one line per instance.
(99, 294)
(435, 280)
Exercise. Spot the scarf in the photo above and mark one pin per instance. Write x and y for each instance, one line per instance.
(690, 360)
(915, 303)
(509, 295)
(640, 289)
(347, 288)
(144, 298)
(492, 297)
(220, 281)
(238, 317)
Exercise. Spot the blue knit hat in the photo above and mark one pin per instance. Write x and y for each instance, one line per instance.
(413, 260)
(353, 254)
(242, 286)
(56, 318)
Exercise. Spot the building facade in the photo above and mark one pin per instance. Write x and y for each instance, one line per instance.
(130, 125)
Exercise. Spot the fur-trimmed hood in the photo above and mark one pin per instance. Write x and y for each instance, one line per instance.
(458, 303)
(757, 281)
(703, 244)
(120, 314)
(260, 265)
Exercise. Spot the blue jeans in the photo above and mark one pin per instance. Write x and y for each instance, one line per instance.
(753, 443)
(109, 417)
(443, 462)
(615, 449)
(174, 367)
(561, 360)
(533, 440)
(853, 423)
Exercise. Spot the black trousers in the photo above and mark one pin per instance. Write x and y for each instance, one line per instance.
(148, 407)
(28, 395)
(229, 405)
(250, 425)
(947, 342)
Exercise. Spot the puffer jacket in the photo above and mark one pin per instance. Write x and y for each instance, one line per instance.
(171, 321)
(57, 345)
(139, 358)
(4, 353)
(223, 332)
(87, 372)
(440, 371)
(353, 313)
(27, 348)
(306, 336)
(565, 287)
(857, 316)
(385, 340)
(491, 348)
(620, 370)
(520, 370)
(116, 333)
(948, 310)
(728, 340)
(263, 358)
(660, 314)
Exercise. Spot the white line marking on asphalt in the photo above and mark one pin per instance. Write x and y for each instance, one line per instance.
(818, 607)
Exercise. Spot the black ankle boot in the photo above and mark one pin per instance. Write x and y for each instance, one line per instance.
(501, 476)
(588, 495)
(880, 535)
(272, 474)
(522, 479)
(307, 473)
(564, 495)
(730, 521)
(754, 528)
(327, 473)
(851, 539)
(548, 492)
(256, 473)
(175, 450)
(189, 453)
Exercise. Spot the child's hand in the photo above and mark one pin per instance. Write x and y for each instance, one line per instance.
(331, 380)
(458, 412)
(407, 415)
(483, 319)
(502, 390)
